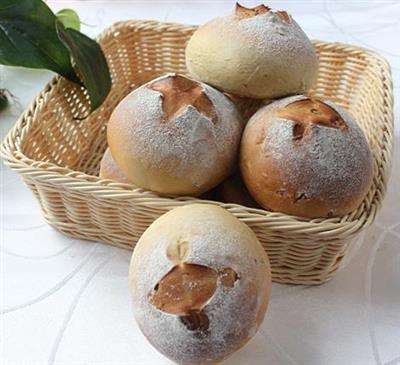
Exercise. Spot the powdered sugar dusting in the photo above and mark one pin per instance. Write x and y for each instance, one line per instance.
(264, 56)
(188, 145)
(328, 162)
(231, 312)
(283, 44)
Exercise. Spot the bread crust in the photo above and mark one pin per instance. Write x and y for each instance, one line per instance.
(306, 157)
(253, 52)
(110, 170)
(175, 135)
(235, 280)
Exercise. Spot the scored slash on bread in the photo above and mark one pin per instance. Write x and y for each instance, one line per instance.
(243, 13)
(305, 157)
(253, 52)
(179, 92)
(175, 135)
(186, 289)
(306, 113)
(199, 276)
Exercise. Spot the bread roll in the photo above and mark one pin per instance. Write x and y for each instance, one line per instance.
(233, 191)
(253, 52)
(174, 135)
(110, 170)
(200, 283)
(246, 106)
(306, 157)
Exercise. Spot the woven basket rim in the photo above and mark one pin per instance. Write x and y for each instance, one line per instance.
(11, 152)
(142, 23)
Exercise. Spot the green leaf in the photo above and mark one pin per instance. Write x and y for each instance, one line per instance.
(89, 61)
(32, 36)
(28, 38)
(69, 18)
(3, 100)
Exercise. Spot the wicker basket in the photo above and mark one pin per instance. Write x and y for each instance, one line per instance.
(58, 155)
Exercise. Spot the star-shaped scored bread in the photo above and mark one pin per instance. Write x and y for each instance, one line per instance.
(243, 13)
(308, 112)
(178, 93)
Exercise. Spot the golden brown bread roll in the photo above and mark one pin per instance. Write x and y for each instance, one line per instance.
(175, 135)
(306, 157)
(200, 283)
(110, 170)
(253, 52)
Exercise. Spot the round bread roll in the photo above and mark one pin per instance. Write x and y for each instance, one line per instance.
(175, 135)
(110, 170)
(253, 52)
(306, 157)
(245, 106)
(233, 190)
(200, 283)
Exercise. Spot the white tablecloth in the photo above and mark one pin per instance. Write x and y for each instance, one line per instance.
(65, 301)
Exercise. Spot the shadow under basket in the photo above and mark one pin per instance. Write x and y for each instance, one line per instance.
(58, 155)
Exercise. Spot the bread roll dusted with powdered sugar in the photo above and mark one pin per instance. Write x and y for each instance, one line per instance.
(254, 52)
(306, 157)
(200, 283)
(175, 135)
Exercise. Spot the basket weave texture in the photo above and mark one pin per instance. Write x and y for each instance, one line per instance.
(58, 155)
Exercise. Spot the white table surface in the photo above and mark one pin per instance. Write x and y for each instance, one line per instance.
(65, 301)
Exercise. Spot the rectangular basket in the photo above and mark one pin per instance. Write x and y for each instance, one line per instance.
(58, 155)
